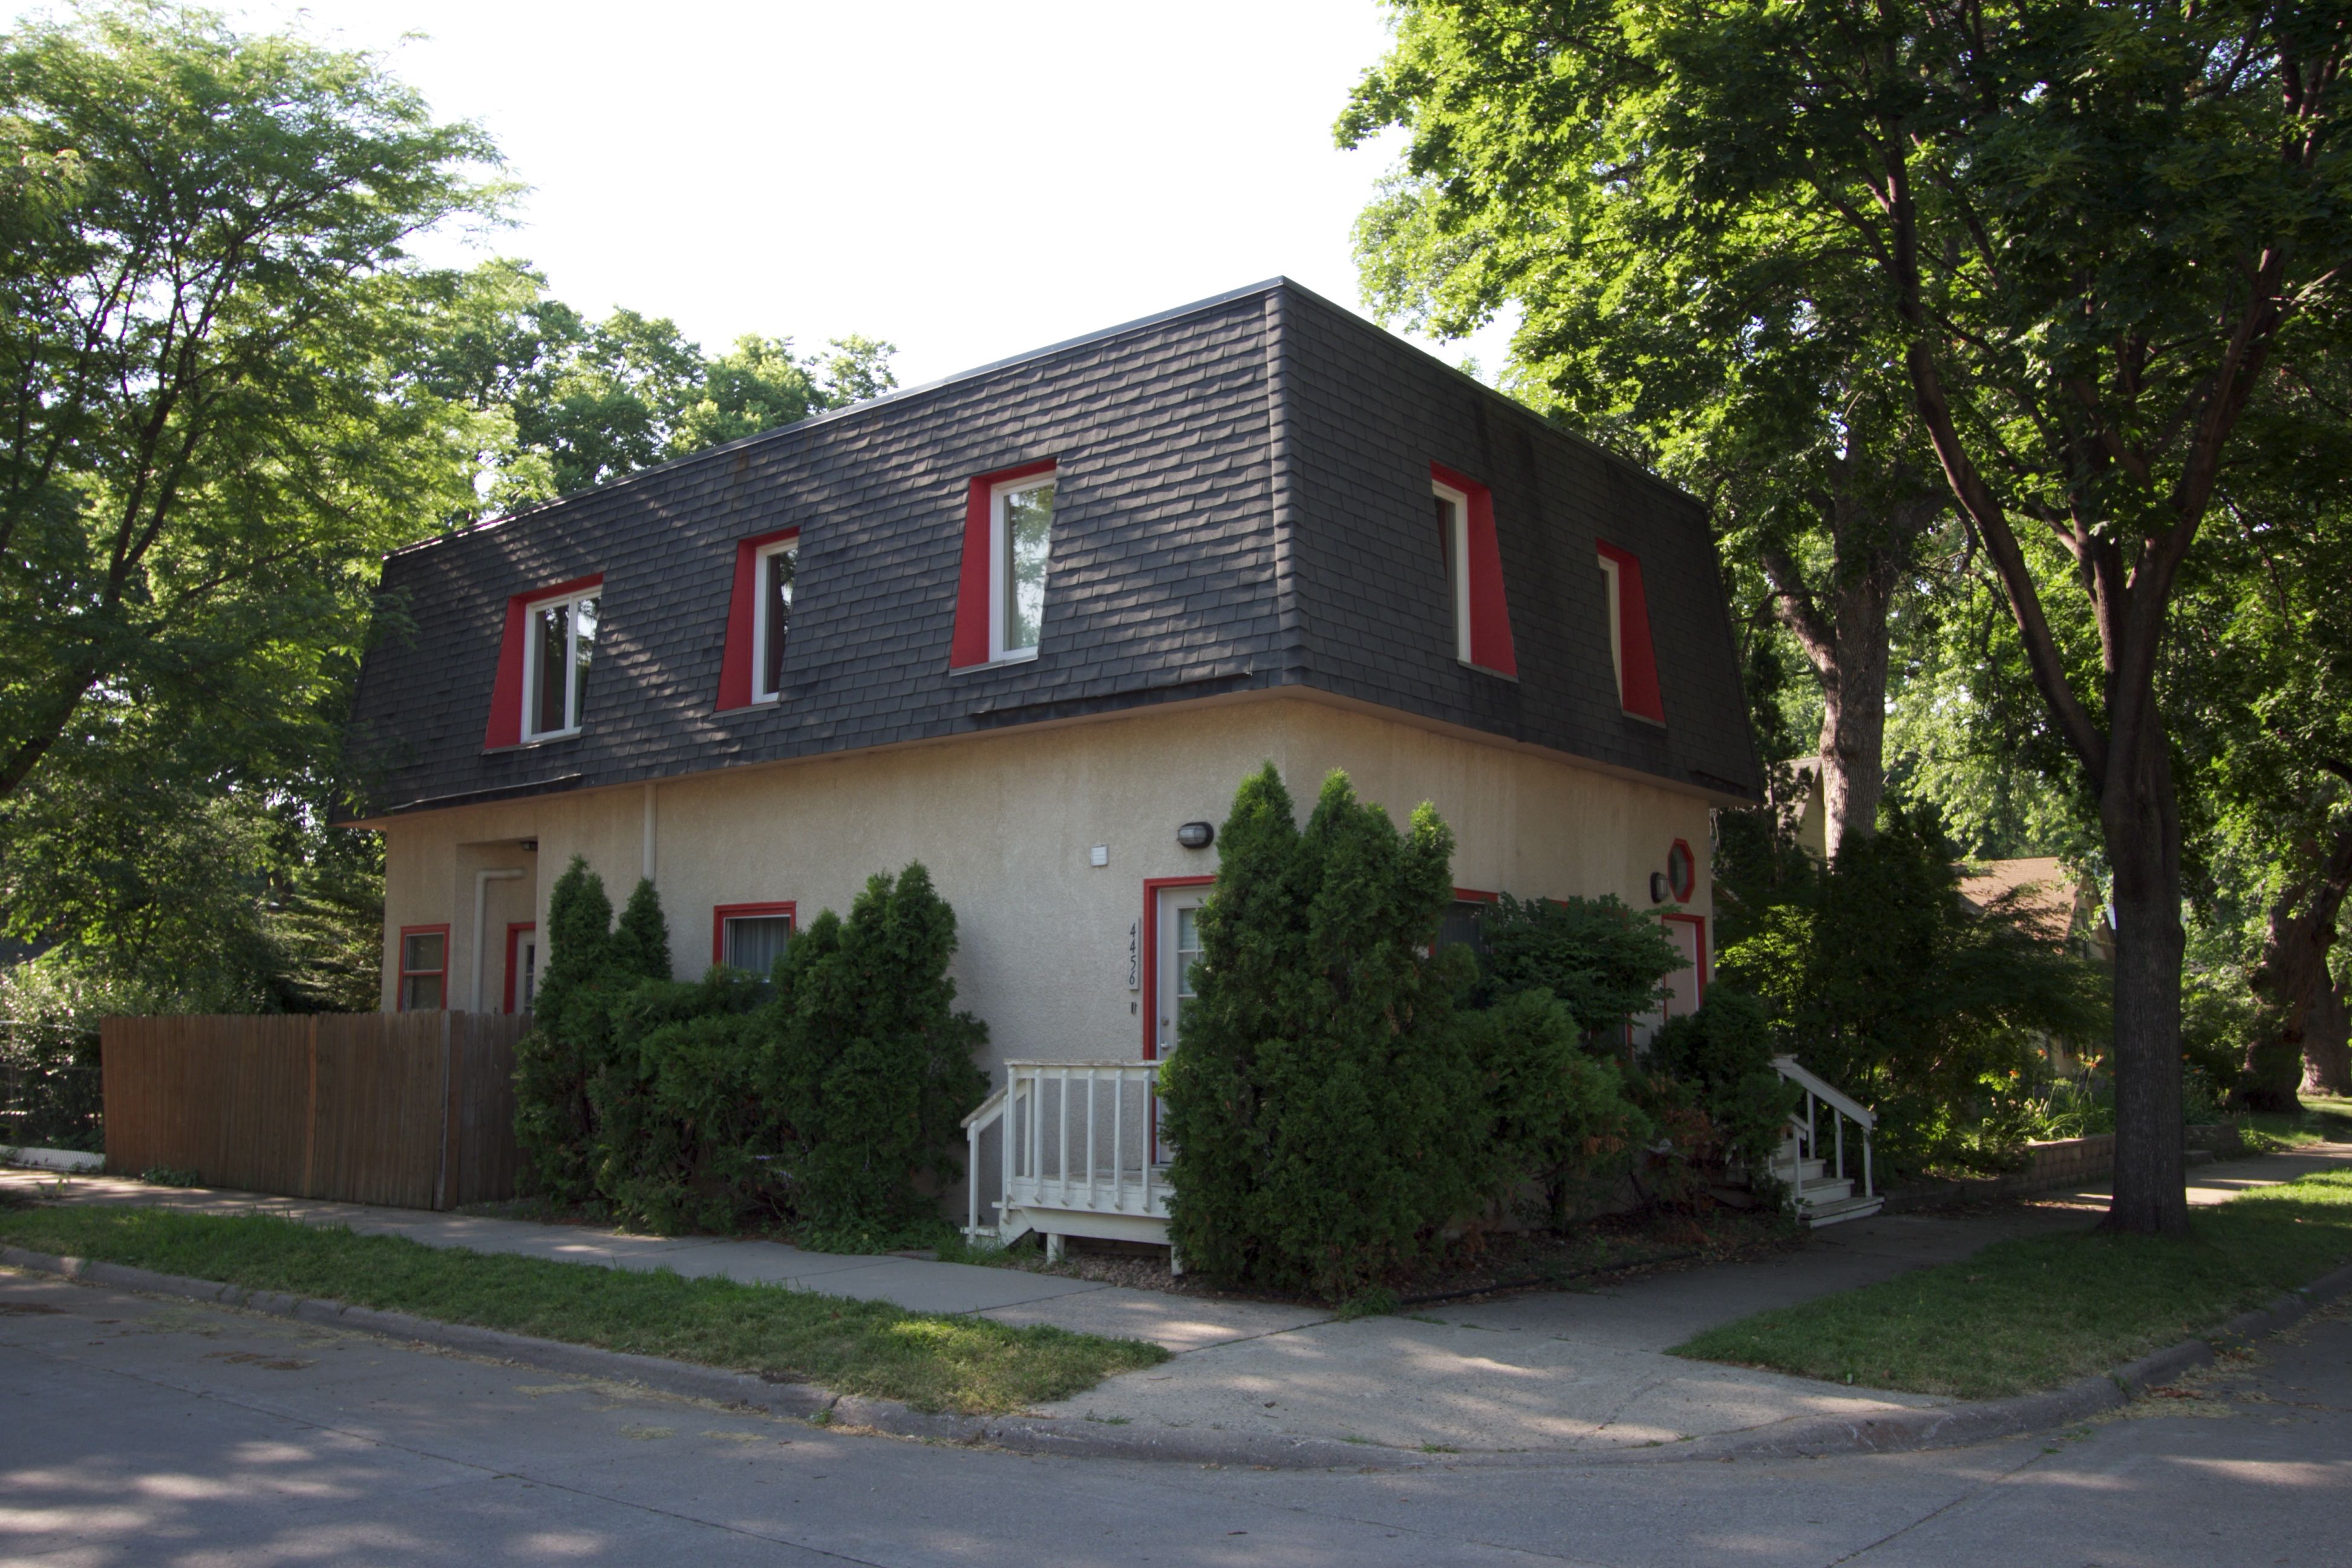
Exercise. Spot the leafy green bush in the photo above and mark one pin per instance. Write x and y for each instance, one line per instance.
(1879, 977)
(1723, 1054)
(589, 968)
(1325, 1112)
(1605, 961)
(680, 1117)
(1556, 1114)
(868, 1066)
(828, 1095)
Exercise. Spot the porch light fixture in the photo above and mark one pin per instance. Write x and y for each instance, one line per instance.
(1196, 835)
(1658, 893)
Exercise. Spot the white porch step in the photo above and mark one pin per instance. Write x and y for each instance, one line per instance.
(1823, 1191)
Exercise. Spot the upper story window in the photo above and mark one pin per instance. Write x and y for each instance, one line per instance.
(1008, 537)
(772, 615)
(1630, 652)
(1453, 550)
(559, 644)
(1021, 529)
(1470, 558)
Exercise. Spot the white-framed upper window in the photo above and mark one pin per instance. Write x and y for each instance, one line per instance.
(772, 615)
(559, 641)
(1616, 627)
(1020, 537)
(1453, 510)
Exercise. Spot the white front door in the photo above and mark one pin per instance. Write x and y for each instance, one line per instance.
(1177, 934)
(1683, 985)
(1179, 949)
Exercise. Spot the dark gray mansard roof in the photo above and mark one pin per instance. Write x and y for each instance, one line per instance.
(1242, 502)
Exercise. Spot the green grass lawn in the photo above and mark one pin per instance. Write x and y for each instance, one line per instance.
(2322, 1119)
(2039, 1311)
(970, 1365)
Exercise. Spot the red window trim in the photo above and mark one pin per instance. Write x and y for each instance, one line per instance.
(1475, 896)
(514, 948)
(1637, 690)
(401, 973)
(1681, 894)
(1151, 888)
(1491, 648)
(735, 665)
(970, 646)
(1699, 923)
(722, 913)
(505, 728)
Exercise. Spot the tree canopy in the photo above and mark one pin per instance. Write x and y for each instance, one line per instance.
(2093, 233)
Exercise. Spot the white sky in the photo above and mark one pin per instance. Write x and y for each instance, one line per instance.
(968, 181)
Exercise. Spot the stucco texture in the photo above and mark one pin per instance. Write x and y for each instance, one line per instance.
(1005, 822)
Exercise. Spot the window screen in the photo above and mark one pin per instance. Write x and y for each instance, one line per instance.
(1462, 925)
(756, 941)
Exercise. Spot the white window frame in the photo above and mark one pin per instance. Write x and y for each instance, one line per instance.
(1457, 565)
(572, 692)
(1616, 627)
(760, 559)
(999, 565)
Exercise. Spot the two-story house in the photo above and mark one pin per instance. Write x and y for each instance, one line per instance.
(1030, 626)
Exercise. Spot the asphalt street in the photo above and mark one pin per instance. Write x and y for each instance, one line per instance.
(144, 1431)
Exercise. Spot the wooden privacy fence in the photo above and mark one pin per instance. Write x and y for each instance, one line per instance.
(414, 1110)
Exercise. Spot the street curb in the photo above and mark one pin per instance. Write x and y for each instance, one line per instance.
(798, 1401)
(1952, 1427)
(1802, 1436)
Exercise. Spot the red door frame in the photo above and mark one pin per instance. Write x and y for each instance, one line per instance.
(1151, 890)
(514, 945)
(1698, 925)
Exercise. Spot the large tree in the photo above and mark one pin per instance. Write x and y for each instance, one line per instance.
(1735, 360)
(2095, 231)
(205, 443)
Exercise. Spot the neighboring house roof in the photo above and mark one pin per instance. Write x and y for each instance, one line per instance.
(1243, 503)
(2039, 888)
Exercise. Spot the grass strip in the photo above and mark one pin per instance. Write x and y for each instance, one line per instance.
(968, 1365)
(2035, 1312)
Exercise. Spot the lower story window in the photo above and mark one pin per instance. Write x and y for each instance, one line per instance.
(751, 936)
(423, 968)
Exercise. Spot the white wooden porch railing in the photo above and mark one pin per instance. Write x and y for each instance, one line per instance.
(1826, 1193)
(1076, 1154)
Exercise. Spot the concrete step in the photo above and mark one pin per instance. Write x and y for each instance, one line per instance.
(1844, 1209)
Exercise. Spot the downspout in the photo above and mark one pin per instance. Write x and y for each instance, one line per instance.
(482, 880)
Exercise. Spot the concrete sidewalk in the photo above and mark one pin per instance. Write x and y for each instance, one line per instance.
(1539, 1371)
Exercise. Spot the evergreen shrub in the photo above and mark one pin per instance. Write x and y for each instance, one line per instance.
(1328, 1118)
(869, 1065)
(1721, 1055)
(828, 1095)
(589, 968)
(1605, 961)
(1556, 1114)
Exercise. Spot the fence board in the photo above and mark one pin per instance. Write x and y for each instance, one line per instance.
(411, 1110)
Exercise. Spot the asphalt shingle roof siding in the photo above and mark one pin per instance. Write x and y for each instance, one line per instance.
(1242, 501)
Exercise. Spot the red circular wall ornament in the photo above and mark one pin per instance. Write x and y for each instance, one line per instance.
(1681, 871)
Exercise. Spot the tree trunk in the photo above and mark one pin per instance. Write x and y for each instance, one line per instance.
(1853, 713)
(2327, 1046)
(2292, 979)
(2142, 823)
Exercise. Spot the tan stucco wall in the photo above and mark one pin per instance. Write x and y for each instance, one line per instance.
(1004, 822)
